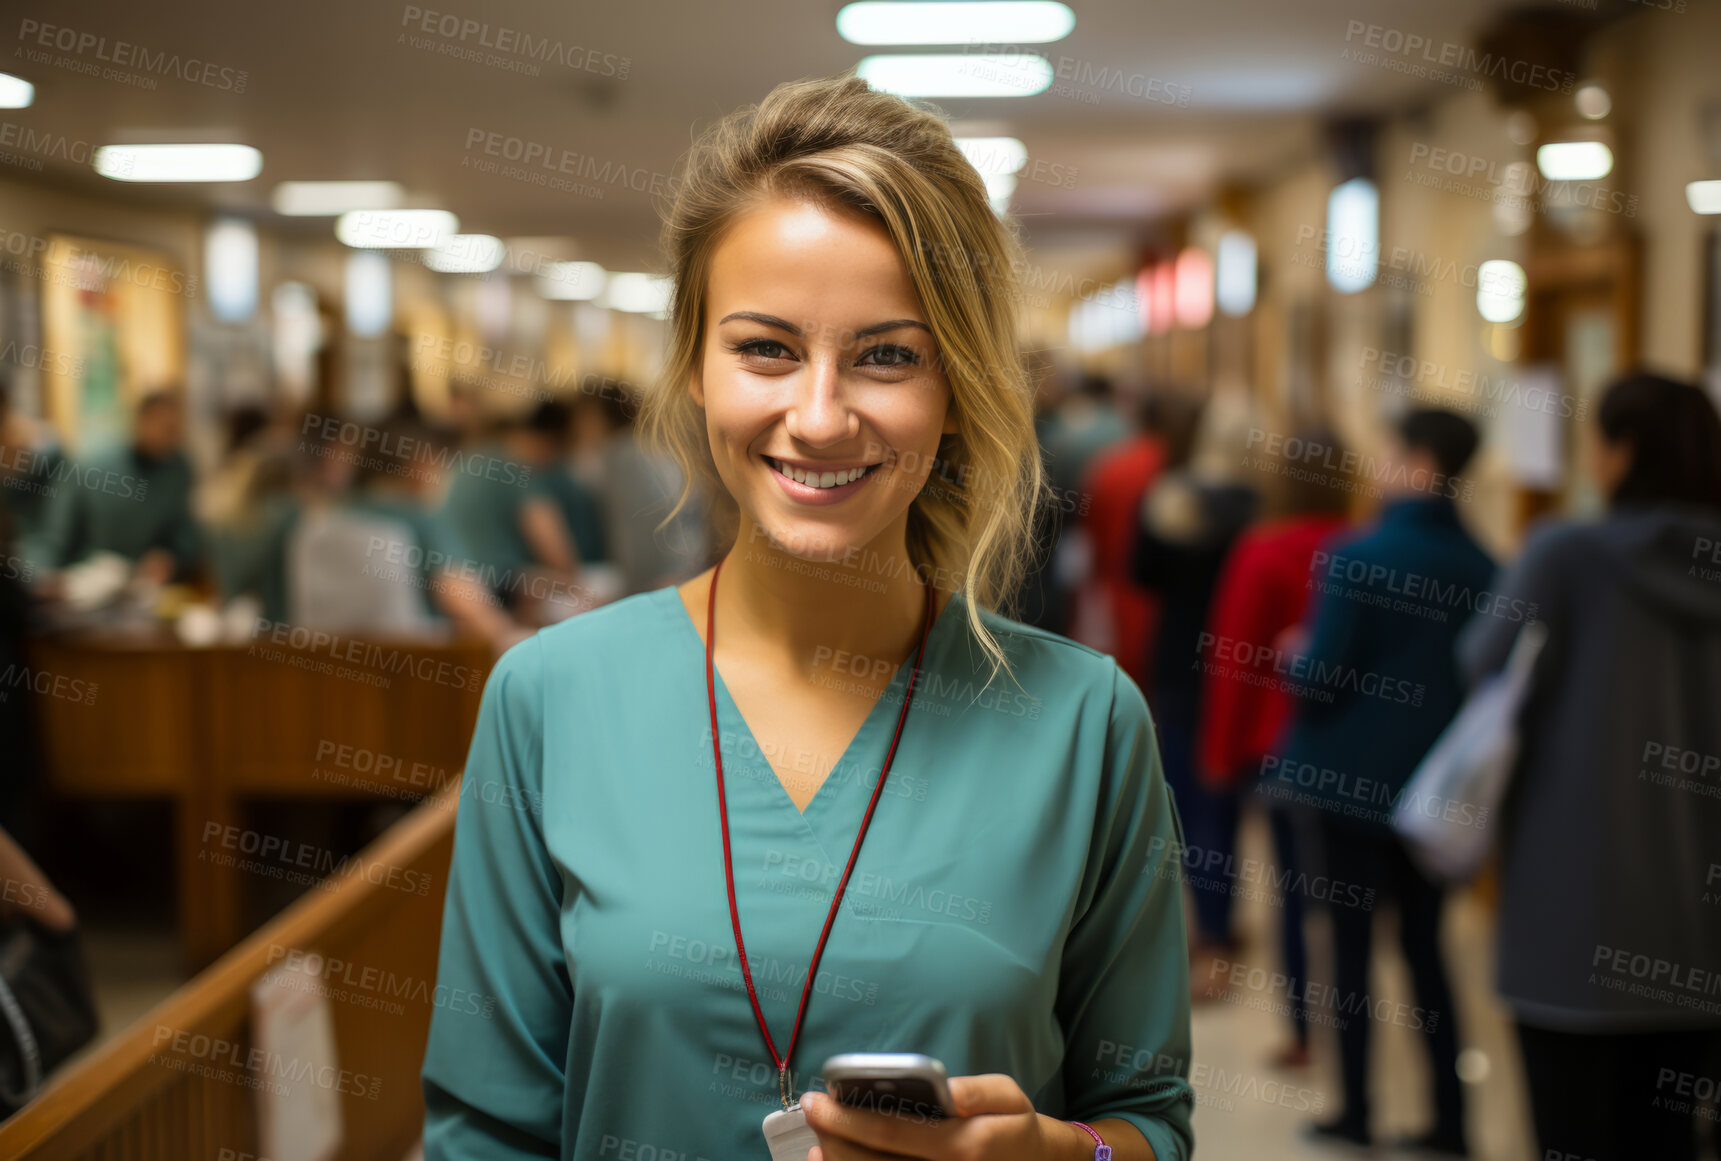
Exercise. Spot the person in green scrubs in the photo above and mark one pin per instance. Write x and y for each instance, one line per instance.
(503, 505)
(664, 795)
(133, 499)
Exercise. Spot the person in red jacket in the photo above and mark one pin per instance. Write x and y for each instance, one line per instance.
(1260, 598)
(1108, 506)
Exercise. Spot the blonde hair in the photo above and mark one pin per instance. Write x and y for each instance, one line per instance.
(836, 141)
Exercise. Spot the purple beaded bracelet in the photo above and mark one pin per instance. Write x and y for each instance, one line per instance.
(1102, 1151)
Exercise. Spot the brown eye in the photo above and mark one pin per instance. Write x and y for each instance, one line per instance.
(889, 355)
(762, 349)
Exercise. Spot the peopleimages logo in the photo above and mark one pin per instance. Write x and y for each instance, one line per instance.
(1446, 54)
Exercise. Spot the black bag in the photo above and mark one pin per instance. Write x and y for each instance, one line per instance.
(47, 1010)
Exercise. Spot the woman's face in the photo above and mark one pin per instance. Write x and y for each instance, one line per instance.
(824, 398)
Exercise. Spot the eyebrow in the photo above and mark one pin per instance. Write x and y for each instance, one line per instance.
(771, 320)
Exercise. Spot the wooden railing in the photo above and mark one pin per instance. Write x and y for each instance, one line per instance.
(176, 1086)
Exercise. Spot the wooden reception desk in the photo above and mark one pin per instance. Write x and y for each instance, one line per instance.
(280, 716)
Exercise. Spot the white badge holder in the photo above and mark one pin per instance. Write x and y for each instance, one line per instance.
(788, 1135)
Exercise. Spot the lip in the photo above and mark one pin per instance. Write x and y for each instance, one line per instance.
(819, 496)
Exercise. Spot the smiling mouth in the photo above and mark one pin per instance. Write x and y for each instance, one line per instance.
(819, 479)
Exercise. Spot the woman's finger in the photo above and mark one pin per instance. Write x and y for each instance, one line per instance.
(991, 1092)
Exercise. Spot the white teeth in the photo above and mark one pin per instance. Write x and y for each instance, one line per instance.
(819, 479)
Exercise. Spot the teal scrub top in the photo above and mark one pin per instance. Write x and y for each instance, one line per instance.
(483, 507)
(1016, 907)
(580, 512)
(118, 501)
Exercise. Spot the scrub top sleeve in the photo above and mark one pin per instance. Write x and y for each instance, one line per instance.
(1123, 994)
(494, 1064)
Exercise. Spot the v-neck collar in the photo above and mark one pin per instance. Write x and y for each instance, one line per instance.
(881, 718)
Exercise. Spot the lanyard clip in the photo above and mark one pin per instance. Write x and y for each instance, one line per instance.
(783, 1083)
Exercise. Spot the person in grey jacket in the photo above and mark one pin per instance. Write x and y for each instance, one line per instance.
(1610, 876)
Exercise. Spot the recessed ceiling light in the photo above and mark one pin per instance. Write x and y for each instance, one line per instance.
(1574, 160)
(15, 92)
(466, 254)
(963, 22)
(187, 162)
(325, 199)
(637, 293)
(573, 281)
(958, 74)
(1592, 101)
(396, 229)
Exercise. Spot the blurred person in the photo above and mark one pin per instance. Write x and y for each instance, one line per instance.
(246, 506)
(1042, 597)
(1376, 682)
(1083, 424)
(582, 516)
(18, 740)
(504, 511)
(1117, 480)
(368, 554)
(1185, 527)
(134, 500)
(1262, 591)
(1610, 833)
(30, 459)
(833, 252)
(651, 540)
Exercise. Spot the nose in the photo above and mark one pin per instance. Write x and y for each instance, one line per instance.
(819, 414)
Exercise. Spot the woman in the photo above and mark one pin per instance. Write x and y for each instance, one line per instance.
(841, 310)
(1608, 845)
(1186, 526)
(1261, 595)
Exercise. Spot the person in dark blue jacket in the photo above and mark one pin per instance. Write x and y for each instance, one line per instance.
(1375, 682)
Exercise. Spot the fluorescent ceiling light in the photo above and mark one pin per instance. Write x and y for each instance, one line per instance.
(178, 162)
(573, 281)
(325, 199)
(958, 74)
(1704, 197)
(396, 229)
(637, 293)
(937, 22)
(992, 155)
(1574, 160)
(999, 187)
(466, 254)
(15, 92)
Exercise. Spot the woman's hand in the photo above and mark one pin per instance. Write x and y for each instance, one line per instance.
(995, 1120)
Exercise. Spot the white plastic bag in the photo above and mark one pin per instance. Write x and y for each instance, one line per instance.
(1448, 806)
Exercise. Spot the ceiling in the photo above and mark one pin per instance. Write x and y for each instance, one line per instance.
(360, 90)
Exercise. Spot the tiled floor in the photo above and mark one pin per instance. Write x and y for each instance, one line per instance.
(1250, 1111)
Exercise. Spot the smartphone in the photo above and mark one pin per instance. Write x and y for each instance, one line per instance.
(900, 1083)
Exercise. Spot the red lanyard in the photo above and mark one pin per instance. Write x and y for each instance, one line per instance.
(782, 1062)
